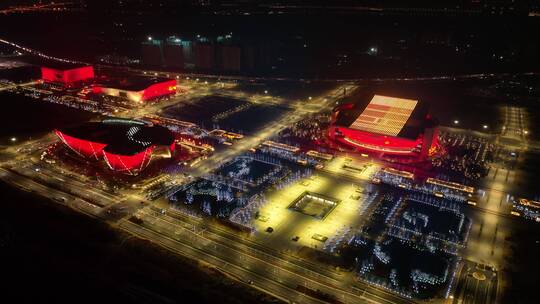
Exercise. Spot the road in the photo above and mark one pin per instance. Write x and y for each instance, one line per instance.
(28, 185)
(283, 272)
(514, 130)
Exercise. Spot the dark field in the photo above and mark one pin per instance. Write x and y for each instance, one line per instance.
(51, 254)
(25, 117)
(203, 110)
(236, 115)
(253, 118)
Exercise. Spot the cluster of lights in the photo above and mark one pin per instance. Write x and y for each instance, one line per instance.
(393, 277)
(423, 277)
(132, 131)
(442, 205)
(382, 256)
(394, 210)
(451, 283)
(399, 292)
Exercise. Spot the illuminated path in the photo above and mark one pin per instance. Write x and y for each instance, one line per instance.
(37, 53)
(9, 87)
(50, 7)
(515, 126)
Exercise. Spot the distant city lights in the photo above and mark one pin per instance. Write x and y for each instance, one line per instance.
(373, 51)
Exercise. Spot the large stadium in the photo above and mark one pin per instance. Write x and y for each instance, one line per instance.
(127, 146)
(386, 126)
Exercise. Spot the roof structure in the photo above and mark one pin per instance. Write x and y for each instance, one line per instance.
(122, 137)
(62, 66)
(384, 115)
(133, 83)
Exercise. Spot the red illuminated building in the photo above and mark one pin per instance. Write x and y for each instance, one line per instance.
(66, 74)
(386, 126)
(137, 89)
(126, 146)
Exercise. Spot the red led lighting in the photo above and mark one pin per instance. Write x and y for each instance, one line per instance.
(159, 89)
(83, 147)
(129, 164)
(67, 76)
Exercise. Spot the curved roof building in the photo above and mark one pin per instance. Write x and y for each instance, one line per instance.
(387, 125)
(125, 145)
(138, 89)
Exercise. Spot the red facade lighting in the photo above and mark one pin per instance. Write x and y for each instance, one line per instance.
(69, 76)
(126, 146)
(82, 147)
(387, 125)
(163, 88)
(129, 164)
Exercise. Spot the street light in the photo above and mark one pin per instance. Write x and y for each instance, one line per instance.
(14, 139)
(310, 98)
(149, 38)
(485, 126)
(456, 122)
(265, 91)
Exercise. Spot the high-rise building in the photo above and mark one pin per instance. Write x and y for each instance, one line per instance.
(152, 52)
(173, 53)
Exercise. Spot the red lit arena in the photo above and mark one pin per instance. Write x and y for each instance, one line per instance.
(138, 89)
(387, 126)
(127, 146)
(66, 74)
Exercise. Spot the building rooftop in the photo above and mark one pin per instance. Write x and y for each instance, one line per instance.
(385, 115)
(62, 66)
(133, 83)
(123, 137)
